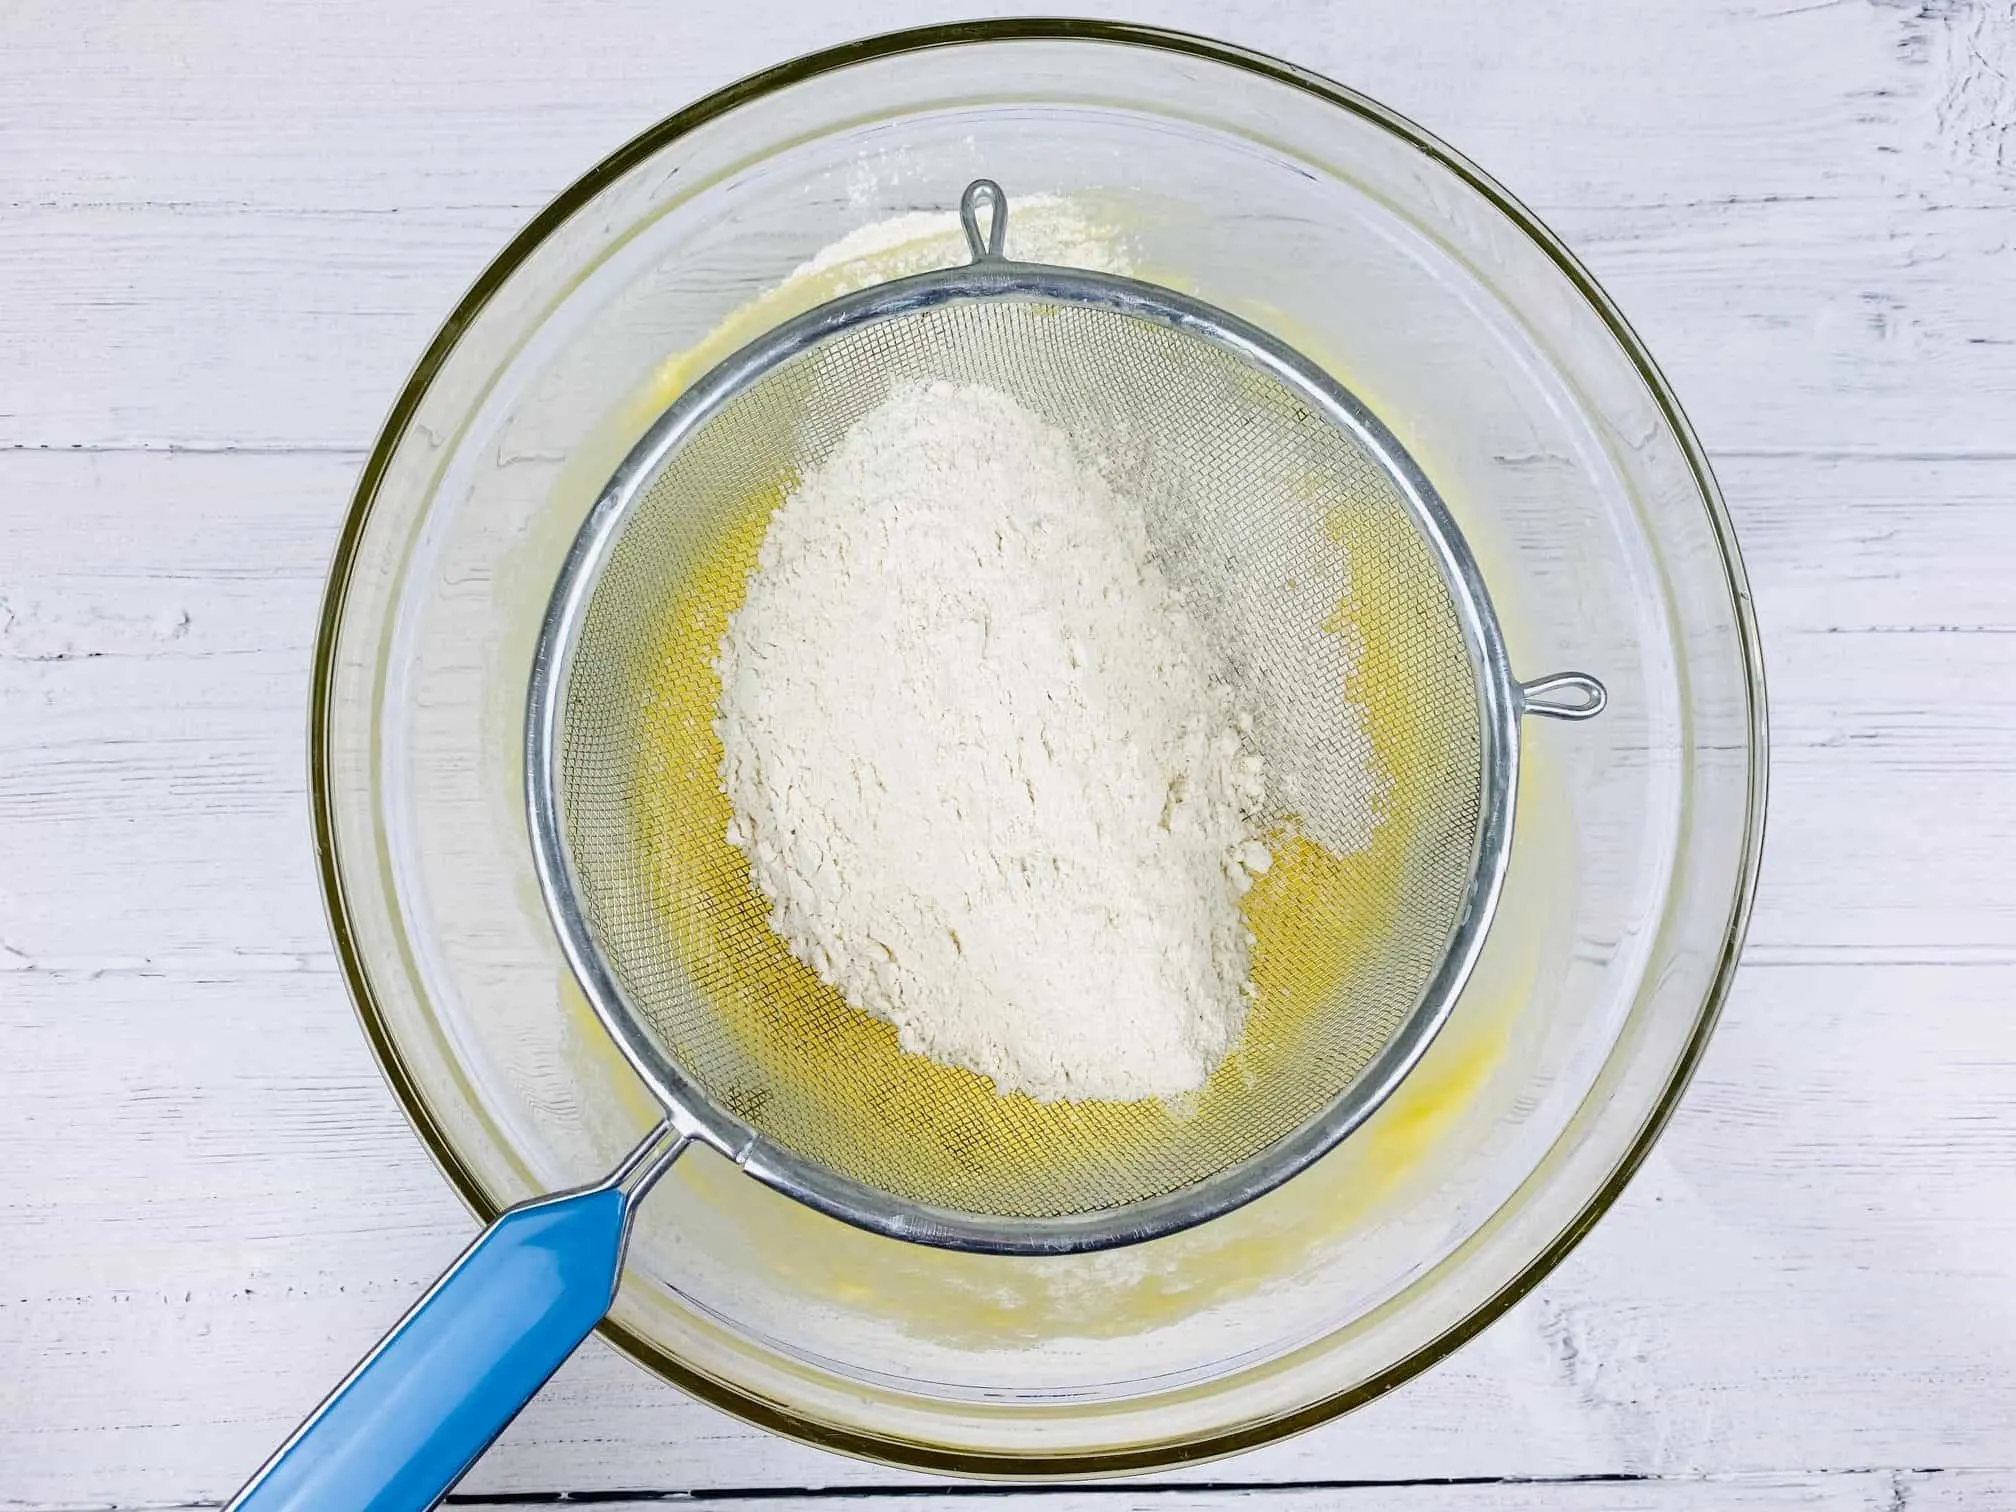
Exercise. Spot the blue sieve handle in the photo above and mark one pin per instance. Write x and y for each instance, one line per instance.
(458, 1367)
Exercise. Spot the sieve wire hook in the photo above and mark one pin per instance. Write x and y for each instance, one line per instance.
(1587, 699)
(989, 249)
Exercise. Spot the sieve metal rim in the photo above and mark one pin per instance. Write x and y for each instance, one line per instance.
(991, 276)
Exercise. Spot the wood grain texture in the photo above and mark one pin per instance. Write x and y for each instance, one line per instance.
(229, 229)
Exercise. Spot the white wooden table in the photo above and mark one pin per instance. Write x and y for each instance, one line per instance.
(226, 230)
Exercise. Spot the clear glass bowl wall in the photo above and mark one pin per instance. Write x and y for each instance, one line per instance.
(1569, 468)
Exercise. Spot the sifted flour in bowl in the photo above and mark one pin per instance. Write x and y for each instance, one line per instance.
(980, 763)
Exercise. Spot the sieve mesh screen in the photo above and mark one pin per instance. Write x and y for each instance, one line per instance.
(1250, 488)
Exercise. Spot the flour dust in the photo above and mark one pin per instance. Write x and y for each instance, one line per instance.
(981, 761)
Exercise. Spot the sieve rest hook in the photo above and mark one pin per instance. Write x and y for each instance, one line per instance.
(1589, 700)
(989, 249)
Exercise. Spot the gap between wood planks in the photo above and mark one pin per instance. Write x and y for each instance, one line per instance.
(1115, 1490)
(166, 447)
(1890, 1488)
(171, 446)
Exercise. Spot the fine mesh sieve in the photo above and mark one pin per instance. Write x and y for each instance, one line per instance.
(1345, 603)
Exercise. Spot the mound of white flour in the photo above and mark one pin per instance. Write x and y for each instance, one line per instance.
(980, 765)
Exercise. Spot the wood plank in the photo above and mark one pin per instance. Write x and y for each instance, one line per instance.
(393, 107)
(309, 325)
(157, 615)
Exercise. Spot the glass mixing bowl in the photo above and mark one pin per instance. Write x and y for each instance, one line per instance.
(1512, 380)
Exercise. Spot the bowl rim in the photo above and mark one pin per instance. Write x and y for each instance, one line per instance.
(748, 1406)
